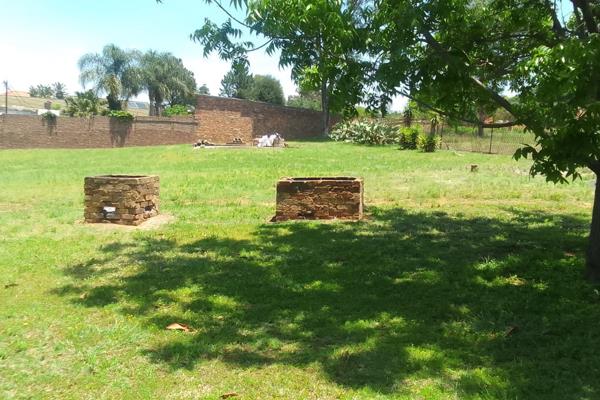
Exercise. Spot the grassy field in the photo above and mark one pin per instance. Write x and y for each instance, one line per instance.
(459, 285)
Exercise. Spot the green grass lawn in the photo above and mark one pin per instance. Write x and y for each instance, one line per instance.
(459, 285)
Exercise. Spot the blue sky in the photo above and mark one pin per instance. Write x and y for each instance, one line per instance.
(42, 40)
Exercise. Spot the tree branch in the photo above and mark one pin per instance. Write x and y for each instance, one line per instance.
(558, 29)
(231, 15)
(581, 33)
(261, 46)
(501, 101)
(594, 166)
(461, 119)
(588, 15)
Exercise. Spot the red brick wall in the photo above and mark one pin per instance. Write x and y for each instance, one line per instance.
(223, 119)
(217, 119)
(22, 131)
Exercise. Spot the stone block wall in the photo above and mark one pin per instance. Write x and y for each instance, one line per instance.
(121, 199)
(319, 198)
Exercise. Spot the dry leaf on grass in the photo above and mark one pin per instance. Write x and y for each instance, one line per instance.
(179, 327)
(511, 330)
(228, 395)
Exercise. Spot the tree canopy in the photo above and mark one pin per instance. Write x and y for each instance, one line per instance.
(56, 90)
(84, 104)
(317, 39)
(237, 82)
(268, 89)
(114, 72)
(166, 79)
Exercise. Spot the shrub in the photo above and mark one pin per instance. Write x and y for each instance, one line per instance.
(176, 109)
(120, 115)
(49, 117)
(408, 138)
(84, 104)
(428, 143)
(364, 132)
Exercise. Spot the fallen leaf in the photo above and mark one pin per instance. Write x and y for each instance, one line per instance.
(178, 327)
(228, 395)
(83, 296)
(511, 330)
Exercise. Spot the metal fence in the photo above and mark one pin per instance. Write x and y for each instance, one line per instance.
(491, 141)
(468, 138)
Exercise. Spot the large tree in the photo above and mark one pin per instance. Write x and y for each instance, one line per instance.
(317, 39)
(305, 99)
(42, 91)
(114, 72)
(203, 90)
(59, 89)
(238, 81)
(268, 89)
(452, 55)
(166, 79)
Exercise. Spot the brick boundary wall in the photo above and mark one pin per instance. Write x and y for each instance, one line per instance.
(217, 119)
(24, 131)
(222, 119)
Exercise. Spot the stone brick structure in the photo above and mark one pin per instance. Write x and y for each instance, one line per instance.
(319, 198)
(224, 119)
(121, 199)
(24, 131)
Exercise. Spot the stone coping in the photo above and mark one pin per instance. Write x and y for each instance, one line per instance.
(116, 178)
(322, 179)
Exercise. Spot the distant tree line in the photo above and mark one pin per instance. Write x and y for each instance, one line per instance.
(56, 90)
(119, 74)
(239, 83)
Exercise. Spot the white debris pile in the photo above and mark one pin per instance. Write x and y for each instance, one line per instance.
(271, 140)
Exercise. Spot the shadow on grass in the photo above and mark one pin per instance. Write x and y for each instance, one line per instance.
(477, 306)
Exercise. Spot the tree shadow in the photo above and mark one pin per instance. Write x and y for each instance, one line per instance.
(487, 305)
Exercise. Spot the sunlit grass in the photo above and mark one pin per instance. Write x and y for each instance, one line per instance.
(458, 285)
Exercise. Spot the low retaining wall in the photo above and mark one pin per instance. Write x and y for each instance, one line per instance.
(24, 131)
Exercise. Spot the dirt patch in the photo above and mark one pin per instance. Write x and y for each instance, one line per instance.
(150, 224)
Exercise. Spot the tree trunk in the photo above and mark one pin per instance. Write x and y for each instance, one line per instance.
(593, 252)
(158, 101)
(325, 107)
(113, 102)
(481, 117)
(480, 130)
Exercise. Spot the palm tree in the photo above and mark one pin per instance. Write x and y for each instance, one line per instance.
(84, 104)
(114, 71)
(165, 79)
(60, 90)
